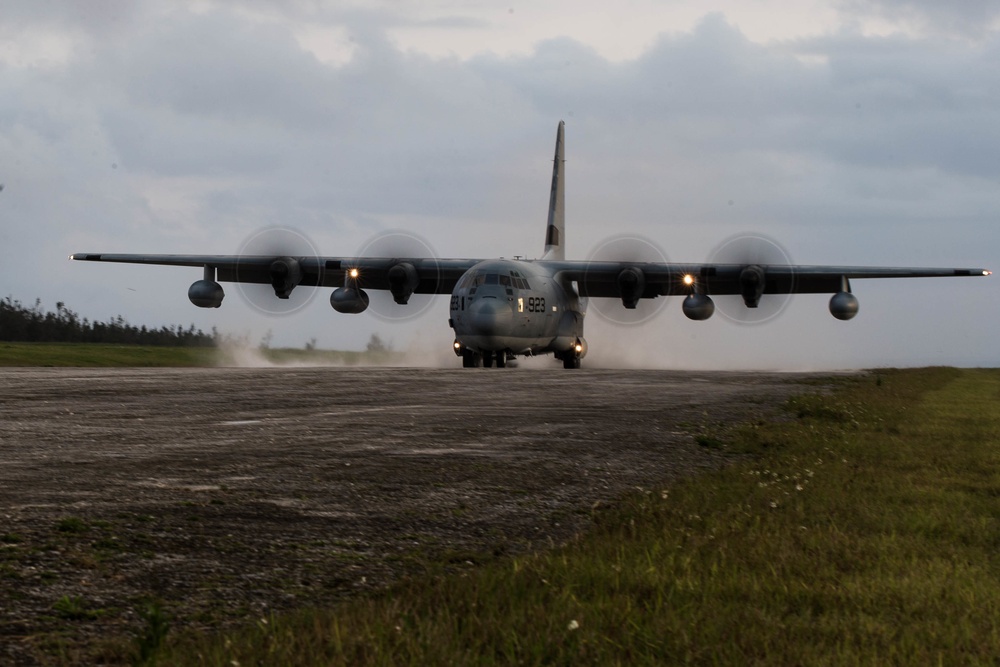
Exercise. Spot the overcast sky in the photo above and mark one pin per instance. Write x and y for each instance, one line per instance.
(852, 132)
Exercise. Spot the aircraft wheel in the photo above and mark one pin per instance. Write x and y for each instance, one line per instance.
(487, 360)
(471, 359)
(571, 361)
(501, 359)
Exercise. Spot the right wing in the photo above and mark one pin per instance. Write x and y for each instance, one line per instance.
(419, 275)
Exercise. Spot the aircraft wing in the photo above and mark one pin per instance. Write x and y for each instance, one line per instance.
(596, 279)
(428, 276)
(651, 279)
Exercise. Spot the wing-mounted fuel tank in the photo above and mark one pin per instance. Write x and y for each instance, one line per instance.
(698, 306)
(843, 304)
(351, 300)
(206, 293)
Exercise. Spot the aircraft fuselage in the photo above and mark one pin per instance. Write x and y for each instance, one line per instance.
(517, 307)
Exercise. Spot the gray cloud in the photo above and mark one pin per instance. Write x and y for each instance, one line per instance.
(961, 18)
(189, 132)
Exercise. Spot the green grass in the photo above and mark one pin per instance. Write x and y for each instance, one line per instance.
(102, 355)
(863, 531)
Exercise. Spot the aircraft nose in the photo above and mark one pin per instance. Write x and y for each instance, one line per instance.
(487, 315)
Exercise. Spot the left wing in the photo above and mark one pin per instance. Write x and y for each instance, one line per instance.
(631, 281)
(606, 279)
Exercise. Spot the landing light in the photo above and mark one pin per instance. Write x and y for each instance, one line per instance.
(688, 279)
(578, 348)
(987, 273)
(353, 273)
(458, 346)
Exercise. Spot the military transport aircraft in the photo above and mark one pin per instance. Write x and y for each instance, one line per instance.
(501, 308)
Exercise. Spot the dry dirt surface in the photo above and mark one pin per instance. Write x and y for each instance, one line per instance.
(226, 494)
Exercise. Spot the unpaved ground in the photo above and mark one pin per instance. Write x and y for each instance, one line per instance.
(227, 493)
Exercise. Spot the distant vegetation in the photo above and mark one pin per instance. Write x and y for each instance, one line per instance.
(32, 336)
(35, 325)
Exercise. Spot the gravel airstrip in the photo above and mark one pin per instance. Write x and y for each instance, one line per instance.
(229, 493)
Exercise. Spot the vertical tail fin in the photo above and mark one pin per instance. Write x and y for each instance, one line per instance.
(555, 231)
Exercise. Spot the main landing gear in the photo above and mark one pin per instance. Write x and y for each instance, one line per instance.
(472, 359)
(571, 357)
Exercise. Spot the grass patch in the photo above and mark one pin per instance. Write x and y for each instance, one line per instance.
(71, 524)
(863, 531)
(106, 355)
(75, 609)
(102, 355)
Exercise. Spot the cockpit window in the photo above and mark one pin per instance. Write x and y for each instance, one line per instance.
(479, 278)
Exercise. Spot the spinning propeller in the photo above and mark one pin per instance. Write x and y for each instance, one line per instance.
(402, 277)
(291, 251)
(754, 252)
(631, 280)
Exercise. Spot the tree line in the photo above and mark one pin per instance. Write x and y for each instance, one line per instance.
(36, 325)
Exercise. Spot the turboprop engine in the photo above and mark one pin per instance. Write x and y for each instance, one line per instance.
(285, 274)
(631, 285)
(403, 280)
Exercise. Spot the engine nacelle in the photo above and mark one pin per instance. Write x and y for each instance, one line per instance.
(752, 282)
(631, 285)
(403, 280)
(698, 307)
(206, 294)
(844, 305)
(285, 273)
(349, 300)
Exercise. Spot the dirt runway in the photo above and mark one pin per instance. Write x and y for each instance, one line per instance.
(229, 492)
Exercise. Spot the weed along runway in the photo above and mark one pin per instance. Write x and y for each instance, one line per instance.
(228, 493)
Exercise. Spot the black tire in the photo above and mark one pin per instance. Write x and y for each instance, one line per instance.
(501, 359)
(571, 361)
